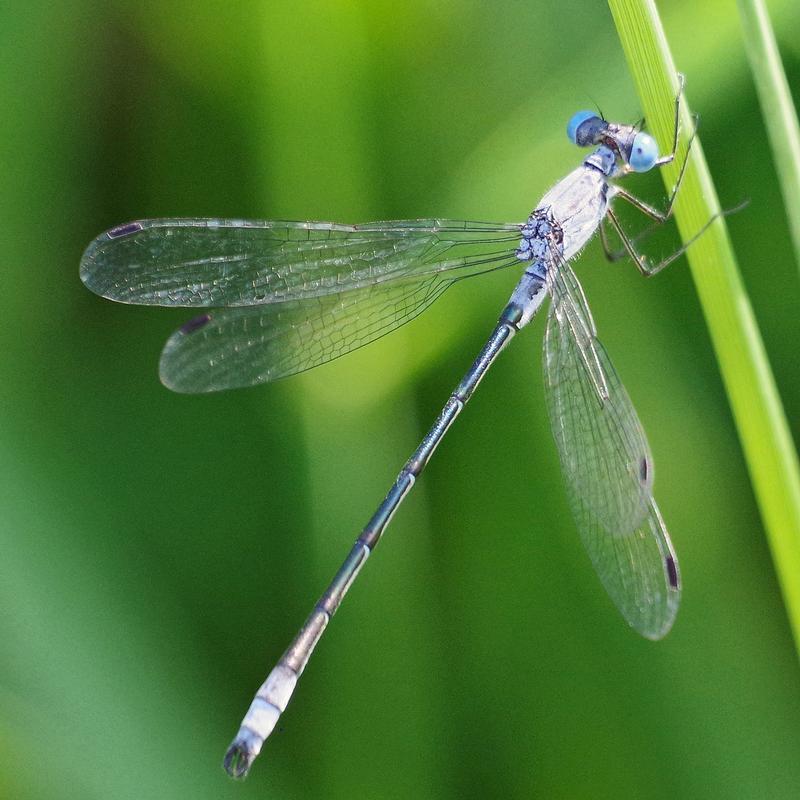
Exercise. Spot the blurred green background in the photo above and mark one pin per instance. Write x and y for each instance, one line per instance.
(160, 551)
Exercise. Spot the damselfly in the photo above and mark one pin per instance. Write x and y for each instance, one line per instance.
(292, 295)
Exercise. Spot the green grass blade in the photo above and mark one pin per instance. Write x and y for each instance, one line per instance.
(757, 410)
(780, 117)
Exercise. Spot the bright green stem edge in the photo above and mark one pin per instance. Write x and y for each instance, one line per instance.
(780, 116)
(757, 410)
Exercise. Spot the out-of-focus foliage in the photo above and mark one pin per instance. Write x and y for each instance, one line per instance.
(159, 551)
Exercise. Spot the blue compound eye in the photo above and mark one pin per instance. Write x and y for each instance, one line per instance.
(576, 121)
(644, 152)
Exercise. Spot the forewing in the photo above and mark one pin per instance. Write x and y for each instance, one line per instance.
(224, 262)
(607, 465)
(244, 346)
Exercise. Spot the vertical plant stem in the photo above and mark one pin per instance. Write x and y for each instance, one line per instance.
(757, 410)
(780, 116)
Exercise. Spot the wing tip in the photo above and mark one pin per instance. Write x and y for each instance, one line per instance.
(89, 270)
(179, 369)
(93, 270)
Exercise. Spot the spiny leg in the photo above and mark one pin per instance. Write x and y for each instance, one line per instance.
(659, 217)
(613, 255)
(645, 267)
(677, 127)
(652, 211)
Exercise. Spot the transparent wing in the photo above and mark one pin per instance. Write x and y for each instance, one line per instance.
(607, 465)
(223, 262)
(244, 346)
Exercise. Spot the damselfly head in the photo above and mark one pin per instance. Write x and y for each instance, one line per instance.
(635, 148)
(586, 128)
